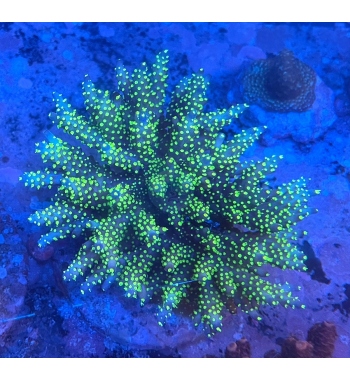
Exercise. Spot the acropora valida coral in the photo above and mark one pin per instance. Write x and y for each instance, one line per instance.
(167, 205)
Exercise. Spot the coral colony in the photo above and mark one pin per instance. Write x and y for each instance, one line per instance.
(280, 83)
(167, 205)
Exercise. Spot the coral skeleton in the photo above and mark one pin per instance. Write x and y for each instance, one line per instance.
(170, 209)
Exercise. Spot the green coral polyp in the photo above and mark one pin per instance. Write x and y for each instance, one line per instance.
(167, 205)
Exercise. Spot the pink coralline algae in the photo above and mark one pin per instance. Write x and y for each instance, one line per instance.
(280, 83)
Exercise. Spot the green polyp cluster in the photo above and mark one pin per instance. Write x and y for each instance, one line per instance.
(168, 205)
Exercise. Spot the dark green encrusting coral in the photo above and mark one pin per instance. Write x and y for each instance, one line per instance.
(280, 83)
(167, 204)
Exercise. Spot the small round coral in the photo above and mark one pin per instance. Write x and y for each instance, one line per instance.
(280, 83)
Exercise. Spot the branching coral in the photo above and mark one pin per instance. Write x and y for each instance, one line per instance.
(168, 206)
(280, 83)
